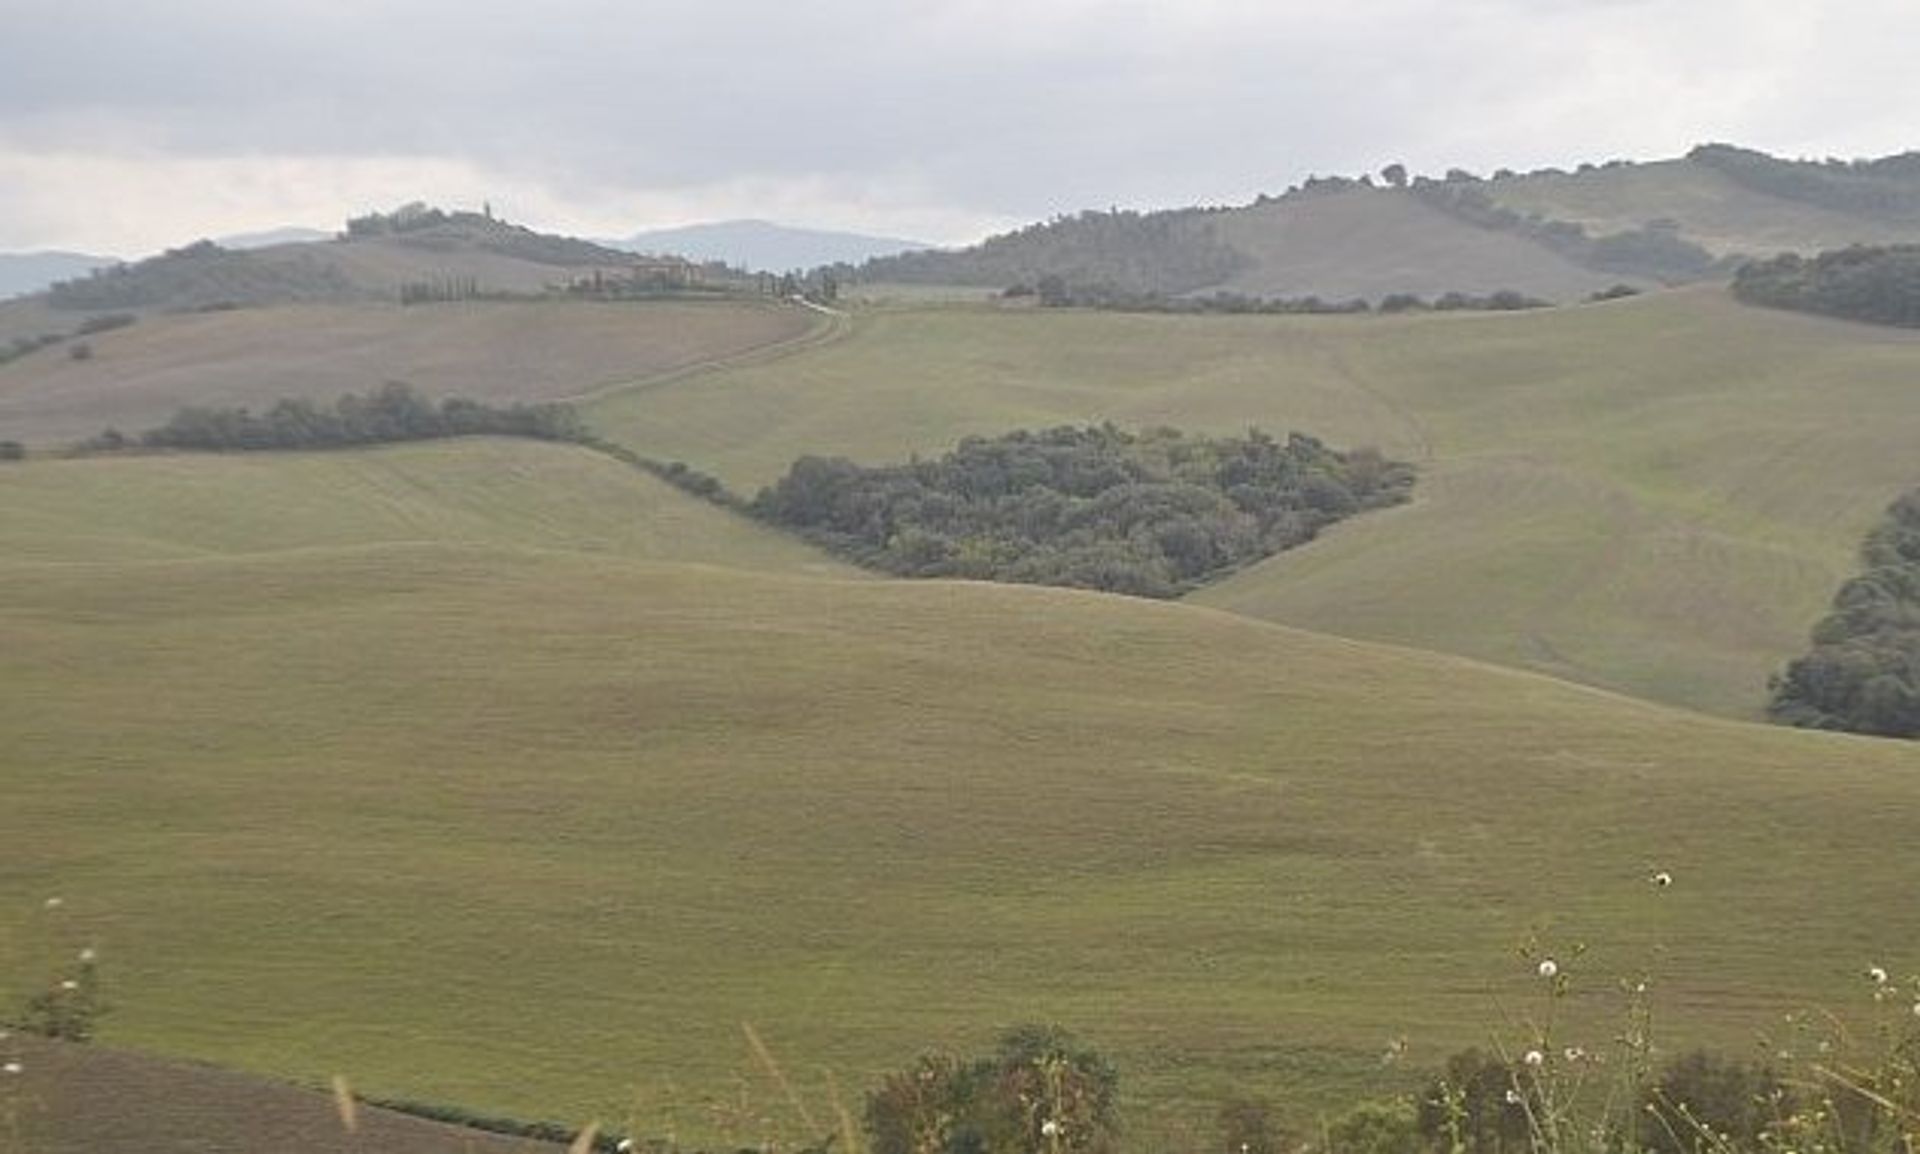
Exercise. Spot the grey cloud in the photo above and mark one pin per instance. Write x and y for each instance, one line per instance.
(1007, 109)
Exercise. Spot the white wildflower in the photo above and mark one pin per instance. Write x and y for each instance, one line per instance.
(1513, 1097)
(1663, 879)
(87, 956)
(55, 903)
(1548, 967)
(1877, 975)
(1050, 1128)
(69, 985)
(10, 1068)
(1534, 1058)
(624, 1146)
(1575, 1054)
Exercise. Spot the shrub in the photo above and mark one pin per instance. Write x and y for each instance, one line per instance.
(1039, 1091)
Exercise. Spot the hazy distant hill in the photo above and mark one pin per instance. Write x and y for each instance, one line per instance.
(29, 272)
(273, 236)
(1551, 234)
(763, 246)
(378, 256)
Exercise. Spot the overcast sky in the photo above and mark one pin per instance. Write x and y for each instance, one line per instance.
(129, 125)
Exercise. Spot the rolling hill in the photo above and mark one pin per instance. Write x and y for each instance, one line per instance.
(1552, 234)
(1656, 495)
(370, 262)
(476, 812)
(765, 246)
(486, 350)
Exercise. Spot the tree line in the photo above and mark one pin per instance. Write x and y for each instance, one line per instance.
(1888, 186)
(1152, 514)
(393, 412)
(1862, 673)
(1880, 285)
(1054, 292)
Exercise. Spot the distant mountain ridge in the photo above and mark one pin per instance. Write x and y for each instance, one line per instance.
(762, 246)
(22, 273)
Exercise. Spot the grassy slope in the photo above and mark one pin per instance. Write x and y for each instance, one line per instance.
(475, 493)
(139, 376)
(1372, 243)
(1711, 210)
(1655, 495)
(535, 829)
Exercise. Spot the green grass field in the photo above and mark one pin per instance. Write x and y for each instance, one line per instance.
(1656, 496)
(407, 764)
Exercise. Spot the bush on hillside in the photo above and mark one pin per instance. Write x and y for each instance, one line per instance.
(1151, 514)
(1862, 283)
(1041, 1090)
(1863, 672)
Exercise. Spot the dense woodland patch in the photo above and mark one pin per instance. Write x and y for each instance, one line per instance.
(1863, 672)
(1876, 284)
(1152, 514)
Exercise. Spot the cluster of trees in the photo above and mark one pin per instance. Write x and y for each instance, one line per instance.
(394, 412)
(1151, 514)
(419, 225)
(1502, 301)
(1862, 673)
(1168, 252)
(440, 290)
(1862, 283)
(203, 276)
(1888, 186)
(1056, 292)
(410, 217)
